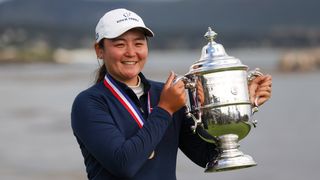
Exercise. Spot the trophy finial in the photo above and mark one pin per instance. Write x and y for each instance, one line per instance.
(210, 35)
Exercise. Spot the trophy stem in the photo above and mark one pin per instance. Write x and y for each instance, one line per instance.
(231, 157)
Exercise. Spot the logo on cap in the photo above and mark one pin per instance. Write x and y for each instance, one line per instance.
(127, 17)
(127, 14)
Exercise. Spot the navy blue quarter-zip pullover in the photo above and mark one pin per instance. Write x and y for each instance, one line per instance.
(113, 145)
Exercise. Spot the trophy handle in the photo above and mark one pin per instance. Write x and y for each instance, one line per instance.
(251, 76)
(192, 110)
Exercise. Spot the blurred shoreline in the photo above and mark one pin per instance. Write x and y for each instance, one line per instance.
(283, 60)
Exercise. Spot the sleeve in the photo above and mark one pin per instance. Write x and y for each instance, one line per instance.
(196, 149)
(96, 129)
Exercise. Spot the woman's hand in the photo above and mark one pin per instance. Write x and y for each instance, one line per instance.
(260, 89)
(173, 96)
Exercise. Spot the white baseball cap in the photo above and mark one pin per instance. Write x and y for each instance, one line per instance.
(118, 21)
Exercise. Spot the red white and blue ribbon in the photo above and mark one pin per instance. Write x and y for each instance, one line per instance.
(127, 103)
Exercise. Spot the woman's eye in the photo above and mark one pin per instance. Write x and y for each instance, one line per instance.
(119, 45)
(139, 44)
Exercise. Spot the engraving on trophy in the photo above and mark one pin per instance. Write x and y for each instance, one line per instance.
(234, 90)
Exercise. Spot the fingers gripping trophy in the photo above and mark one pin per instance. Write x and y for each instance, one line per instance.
(219, 103)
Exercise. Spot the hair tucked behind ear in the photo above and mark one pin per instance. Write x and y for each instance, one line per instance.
(102, 71)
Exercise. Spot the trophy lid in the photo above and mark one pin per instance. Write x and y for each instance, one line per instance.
(214, 58)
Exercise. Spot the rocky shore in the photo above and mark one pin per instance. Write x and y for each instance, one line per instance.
(300, 60)
(289, 60)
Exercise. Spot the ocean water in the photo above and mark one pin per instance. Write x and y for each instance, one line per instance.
(36, 140)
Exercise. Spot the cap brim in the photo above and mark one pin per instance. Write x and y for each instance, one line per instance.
(148, 32)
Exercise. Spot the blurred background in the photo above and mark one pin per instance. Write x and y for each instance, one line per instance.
(47, 58)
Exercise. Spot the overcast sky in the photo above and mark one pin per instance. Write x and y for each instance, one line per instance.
(138, 0)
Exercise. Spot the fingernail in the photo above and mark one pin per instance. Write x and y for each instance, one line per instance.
(256, 99)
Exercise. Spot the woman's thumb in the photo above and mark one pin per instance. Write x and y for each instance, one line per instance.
(169, 80)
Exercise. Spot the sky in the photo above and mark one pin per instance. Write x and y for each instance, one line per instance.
(1, 1)
(138, 0)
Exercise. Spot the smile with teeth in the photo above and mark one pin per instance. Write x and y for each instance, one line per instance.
(129, 62)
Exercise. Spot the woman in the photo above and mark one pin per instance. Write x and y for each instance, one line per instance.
(129, 127)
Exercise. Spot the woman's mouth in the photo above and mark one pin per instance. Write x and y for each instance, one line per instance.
(129, 62)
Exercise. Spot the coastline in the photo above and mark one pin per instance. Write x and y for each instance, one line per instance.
(273, 59)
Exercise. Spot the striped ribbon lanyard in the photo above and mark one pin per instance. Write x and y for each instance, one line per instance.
(127, 103)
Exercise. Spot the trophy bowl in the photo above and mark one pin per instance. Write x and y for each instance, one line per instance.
(219, 104)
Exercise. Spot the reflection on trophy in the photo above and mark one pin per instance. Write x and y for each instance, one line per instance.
(219, 104)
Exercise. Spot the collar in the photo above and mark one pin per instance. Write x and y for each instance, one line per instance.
(128, 90)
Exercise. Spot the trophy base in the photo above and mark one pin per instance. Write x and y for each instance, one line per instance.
(228, 164)
(231, 157)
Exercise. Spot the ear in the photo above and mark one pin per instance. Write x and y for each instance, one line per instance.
(99, 51)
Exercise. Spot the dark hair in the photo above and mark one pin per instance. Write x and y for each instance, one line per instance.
(102, 71)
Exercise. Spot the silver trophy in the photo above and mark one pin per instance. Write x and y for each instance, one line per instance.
(219, 103)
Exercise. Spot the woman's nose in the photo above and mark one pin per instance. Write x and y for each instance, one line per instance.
(130, 51)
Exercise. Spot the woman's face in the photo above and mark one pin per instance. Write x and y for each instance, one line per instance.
(125, 56)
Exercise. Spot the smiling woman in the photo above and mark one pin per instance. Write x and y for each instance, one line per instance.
(127, 126)
(124, 56)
